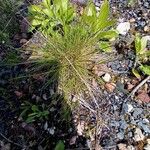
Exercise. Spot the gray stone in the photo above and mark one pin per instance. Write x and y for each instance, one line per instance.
(115, 107)
(123, 124)
(145, 121)
(115, 124)
(144, 127)
(51, 130)
(133, 122)
(130, 134)
(137, 112)
(120, 135)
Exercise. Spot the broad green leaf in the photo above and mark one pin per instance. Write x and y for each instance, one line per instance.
(44, 113)
(35, 108)
(57, 5)
(108, 34)
(105, 24)
(48, 12)
(36, 22)
(91, 10)
(137, 44)
(145, 69)
(60, 146)
(135, 72)
(35, 8)
(104, 11)
(105, 46)
(30, 119)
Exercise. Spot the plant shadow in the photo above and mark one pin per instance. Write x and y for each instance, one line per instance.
(26, 95)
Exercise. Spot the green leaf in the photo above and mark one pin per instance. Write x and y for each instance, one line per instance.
(135, 72)
(64, 4)
(104, 11)
(57, 5)
(137, 44)
(105, 46)
(30, 119)
(35, 8)
(105, 24)
(35, 108)
(45, 113)
(91, 10)
(60, 146)
(145, 69)
(32, 114)
(48, 12)
(108, 34)
(24, 111)
(47, 3)
(36, 22)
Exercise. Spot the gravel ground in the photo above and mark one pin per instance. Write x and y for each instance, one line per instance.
(127, 121)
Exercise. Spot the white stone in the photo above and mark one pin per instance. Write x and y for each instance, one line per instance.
(123, 28)
(51, 131)
(147, 147)
(148, 141)
(147, 37)
(130, 147)
(129, 108)
(45, 125)
(106, 77)
(145, 120)
(138, 135)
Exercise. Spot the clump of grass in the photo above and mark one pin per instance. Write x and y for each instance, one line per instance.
(72, 47)
(73, 51)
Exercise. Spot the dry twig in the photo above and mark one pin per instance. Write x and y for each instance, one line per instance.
(137, 87)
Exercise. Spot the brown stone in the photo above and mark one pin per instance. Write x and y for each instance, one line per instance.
(23, 41)
(110, 87)
(132, 20)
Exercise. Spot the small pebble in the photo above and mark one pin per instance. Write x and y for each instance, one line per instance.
(120, 135)
(138, 135)
(23, 41)
(146, 29)
(106, 77)
(127, 108)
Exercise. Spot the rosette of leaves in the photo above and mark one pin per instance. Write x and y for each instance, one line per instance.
(49, 17)
(32, 113)
(142, 55)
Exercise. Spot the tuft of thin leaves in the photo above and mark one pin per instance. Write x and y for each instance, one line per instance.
(73, 45)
